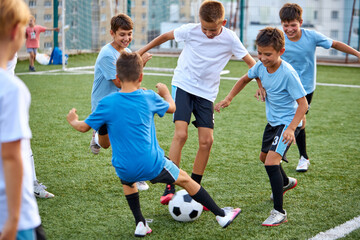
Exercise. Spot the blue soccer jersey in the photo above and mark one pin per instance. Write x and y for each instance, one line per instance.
(301, 56)
(129, 118)
(104, 73)
(283, 88)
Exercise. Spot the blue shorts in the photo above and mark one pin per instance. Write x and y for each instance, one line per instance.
(168, 175)
(29, 50)
(28, 234)
(187, 103)
(273, 139)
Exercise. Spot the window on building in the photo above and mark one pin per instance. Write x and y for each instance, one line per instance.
(74, 24)
(47, 44)
(143, 3)
(103, 30)
(47, 18)
(333, 52)
(47, 4)
(74, 9)
(315, 15)
(103, 3)
(32, 4)
(143, 30)
(334, 34)
(334, 14)
(103, 17)
(143, 16)
(48, 33)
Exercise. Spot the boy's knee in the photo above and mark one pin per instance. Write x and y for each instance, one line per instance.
(206, 142)
(181, 135)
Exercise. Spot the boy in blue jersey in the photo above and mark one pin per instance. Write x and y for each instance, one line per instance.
(285, 107)
(105, 74)
(137, 156)
(300, 47)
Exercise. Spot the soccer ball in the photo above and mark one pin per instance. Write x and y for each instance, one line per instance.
(183, 208)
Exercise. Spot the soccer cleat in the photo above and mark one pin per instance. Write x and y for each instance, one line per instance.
(40, 192)
(168, 194)
(303, 165)
(292, 184)
(275, 219)
(141, 229)
(230, 215)
(94, 147)
(142, 186)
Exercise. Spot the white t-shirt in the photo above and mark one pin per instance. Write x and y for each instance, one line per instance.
(14, 125)
(202, 59)
(12, 64)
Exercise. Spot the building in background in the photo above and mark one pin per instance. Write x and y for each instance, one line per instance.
(88, 21)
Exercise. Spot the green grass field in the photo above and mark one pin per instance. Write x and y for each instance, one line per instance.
(90, 204)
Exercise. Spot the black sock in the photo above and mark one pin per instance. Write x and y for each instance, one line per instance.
(196, 177)
(284, 176)
(203, 197)
(134, 204)
(276, 182)
(301, 143)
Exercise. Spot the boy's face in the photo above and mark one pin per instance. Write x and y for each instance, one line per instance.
(32, 22)
(211, 29)
(269, 56)
(122, 38)
(292, 29)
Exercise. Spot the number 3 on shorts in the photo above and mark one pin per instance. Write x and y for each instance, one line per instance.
(276, 140)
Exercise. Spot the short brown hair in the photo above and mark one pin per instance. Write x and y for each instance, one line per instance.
(12, 12)
(212, 11)
(122, 21)
(270, 36)
(290, 12)
(129, 66)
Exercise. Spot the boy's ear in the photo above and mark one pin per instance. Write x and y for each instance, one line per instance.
(282, 51)
(224, 22)
(141, 77)
(301, 22)
(112, 33)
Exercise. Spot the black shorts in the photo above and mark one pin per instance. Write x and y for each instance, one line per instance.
(309, 99)
(187, 103)
(272, 139)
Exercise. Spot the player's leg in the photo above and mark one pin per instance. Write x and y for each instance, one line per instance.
(275, 172)
(204, 122)
(304, 162)
(132, 197)
(181, 118)
(39, 188)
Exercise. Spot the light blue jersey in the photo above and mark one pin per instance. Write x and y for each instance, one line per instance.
(129, 118)
(301, 56)
(105, 72)
(283, 88)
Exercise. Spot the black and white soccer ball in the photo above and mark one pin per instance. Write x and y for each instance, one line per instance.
(183, 208)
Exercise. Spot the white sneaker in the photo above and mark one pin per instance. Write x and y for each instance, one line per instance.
(275, 219)
(141, 230)
(303, 165)
(40, 192)
(230, 215)
(292, 184)
(94, 147)
(142, 186)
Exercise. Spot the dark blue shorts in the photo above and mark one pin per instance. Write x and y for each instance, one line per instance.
(187, 104)
(169, 174)
(273, 139)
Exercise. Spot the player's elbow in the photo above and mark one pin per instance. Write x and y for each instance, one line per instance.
(172, 108)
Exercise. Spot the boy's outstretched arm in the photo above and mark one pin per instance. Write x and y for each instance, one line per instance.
(163, 91)
(340, 46)
(73, 119)
(289, 136)
(239, 85)
(157, 41)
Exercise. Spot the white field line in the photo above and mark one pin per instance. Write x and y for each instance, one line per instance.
(89, 70)
(339, 231)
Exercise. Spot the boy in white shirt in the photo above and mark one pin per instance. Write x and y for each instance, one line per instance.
(195, 84)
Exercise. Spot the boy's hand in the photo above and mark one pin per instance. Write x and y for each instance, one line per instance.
(72, 116)
(260, 92)
(146, 57)
(162, 89)
(222, 104)
(289, 136)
